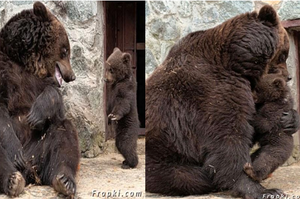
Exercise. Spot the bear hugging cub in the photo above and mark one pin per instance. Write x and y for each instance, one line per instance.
(38, 144)
(199, 107)
(273, 99)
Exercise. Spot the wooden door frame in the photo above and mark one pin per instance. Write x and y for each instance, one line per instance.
(137, 46)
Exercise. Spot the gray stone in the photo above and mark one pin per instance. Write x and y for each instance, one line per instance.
(159, 7)
(151, 62)
(19, 3)
(184, 9)
(289, 10)
(81, 10)
(156, 27)
(171, 29)
(147, 9)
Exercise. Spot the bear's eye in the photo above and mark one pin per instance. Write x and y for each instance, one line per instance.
(111, 70)
(282, 57)
(64, 52)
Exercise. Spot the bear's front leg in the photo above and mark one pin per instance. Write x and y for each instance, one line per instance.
(12, 182)
(9, 140)
(121, 108)
(47, 106)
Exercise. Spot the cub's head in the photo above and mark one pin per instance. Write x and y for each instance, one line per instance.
(118, 66)
(37, 41)
(271, 87)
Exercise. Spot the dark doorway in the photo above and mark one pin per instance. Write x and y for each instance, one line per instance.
(125, 29)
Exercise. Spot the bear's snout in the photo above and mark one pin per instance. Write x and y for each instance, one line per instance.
(66, 71)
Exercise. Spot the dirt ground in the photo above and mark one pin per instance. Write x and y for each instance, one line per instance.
(104, 175)
(285, 178)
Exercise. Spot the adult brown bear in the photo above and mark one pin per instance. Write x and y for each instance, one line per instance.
(199, 106)
(35, 138)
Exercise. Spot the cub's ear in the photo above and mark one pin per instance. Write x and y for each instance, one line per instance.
(268, 16)
(278, 83)
(126, 57)
(116, 49)
(41, 11)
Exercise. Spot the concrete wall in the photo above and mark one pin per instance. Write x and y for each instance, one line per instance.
(84, 22)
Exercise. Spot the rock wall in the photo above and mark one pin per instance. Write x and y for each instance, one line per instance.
(84, 22)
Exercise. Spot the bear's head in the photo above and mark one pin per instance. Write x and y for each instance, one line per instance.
(271, 87)
(37, 41)
(118, 66)
(257, 44)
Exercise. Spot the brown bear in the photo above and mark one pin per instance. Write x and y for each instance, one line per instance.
(199, 106)
(121, 107)
(37, 143)
(272, 97)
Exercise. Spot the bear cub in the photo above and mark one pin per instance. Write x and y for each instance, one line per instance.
(121, 105)
(273, 98)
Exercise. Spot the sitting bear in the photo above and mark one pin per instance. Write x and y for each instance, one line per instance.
(199, 106)
(121, 105)
(37, 143)
(272, 97)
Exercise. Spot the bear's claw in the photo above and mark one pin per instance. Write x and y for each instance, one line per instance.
(16, 184)
(64, 185)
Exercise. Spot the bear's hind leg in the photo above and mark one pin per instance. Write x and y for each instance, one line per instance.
(12, 182)
(174, 179)
(58, 159)
(126, 143)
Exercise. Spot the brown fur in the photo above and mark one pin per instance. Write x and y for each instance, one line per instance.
(273, 98)
(121, 105)
(199, 106)
(35, 137)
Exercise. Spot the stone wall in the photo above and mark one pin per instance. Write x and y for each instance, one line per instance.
(84, 22)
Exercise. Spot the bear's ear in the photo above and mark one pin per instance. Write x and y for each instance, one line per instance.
(41, 11)
(278, 83)
(268, 16)
(126, 57)
(116, 49)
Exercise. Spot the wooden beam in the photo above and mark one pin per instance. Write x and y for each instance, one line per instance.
(291, 23)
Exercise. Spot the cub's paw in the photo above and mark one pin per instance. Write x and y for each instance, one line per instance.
(114, 117)
(15, 184)
(125, 165)
(248, 168)
(64, 185)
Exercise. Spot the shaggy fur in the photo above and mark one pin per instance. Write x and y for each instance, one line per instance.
(35, 138)
(273, 98)
(121, 105)
(199, 106)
